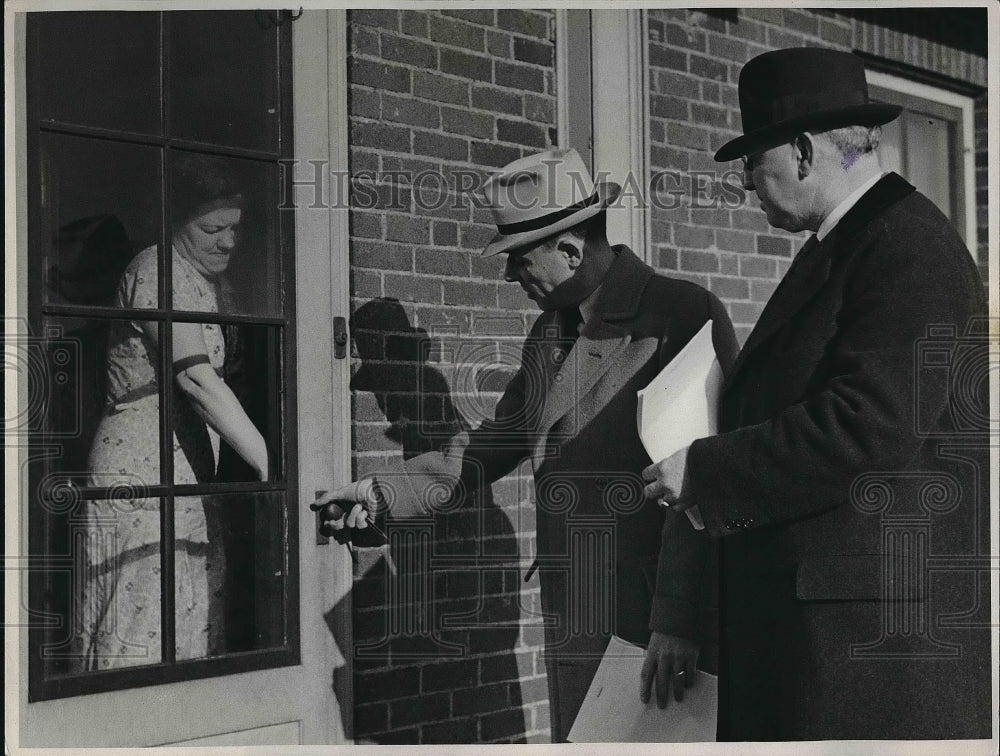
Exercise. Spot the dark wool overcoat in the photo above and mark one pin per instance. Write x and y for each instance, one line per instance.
(608, 560)
(849, 483)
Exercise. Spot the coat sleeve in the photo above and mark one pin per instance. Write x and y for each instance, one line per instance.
(468, 461)
(802, 460)
(684, 589)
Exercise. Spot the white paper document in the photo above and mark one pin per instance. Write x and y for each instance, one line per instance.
(681, 404)
(613, 713)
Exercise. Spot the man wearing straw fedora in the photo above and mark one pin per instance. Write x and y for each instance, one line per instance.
(608, 561)
(848, 479)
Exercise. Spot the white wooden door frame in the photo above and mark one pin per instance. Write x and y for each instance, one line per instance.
(288, 703)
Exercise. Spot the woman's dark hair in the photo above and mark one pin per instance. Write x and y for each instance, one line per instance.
(197, 181)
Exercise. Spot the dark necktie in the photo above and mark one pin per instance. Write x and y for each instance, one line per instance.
(571, 320)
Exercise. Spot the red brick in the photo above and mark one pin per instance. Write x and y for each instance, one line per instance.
(412, 112)
(520, 132)
(453, 731)
(386, 19)
(774, 245)
(366, 283)
(496, 100)
(709, 115)
(758, 267)
(835, 33)
(410, 288)
(677, 84)
(729, 288)
(533, 689)
(482, 17)
(441, 262)
(667, 57)
(470, 293)
(466, 122)
(708, 68)
(364, 41)
(362, 160)
(370, 718)
(484, 153)
(378, 75)
(684, 36)
(498, 44)
(767, 15)
(699, 262)
(666, 106)
(530, 51)
(684, 135)
(438, 145)
(476, 67)
(696, 237)
(363, 103)
(539, 108)
(427, 708)
(735, 241)
(445, 234)
(512, 297)
(381, 256)
(457, 34)
(540, 717)
(409, 51)
(745, 312)
(452, 675)
(440, 88)
(485, 698)
(761, 291)
(518, 76)
(667, 258)
(523, 22)
(405, 228)
(503, 724)
(780, 38)
(800, 21)
(414, 23)
(729, 265)
(383, 686)
(366, 225)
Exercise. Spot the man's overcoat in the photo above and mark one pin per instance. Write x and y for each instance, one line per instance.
(850, 483)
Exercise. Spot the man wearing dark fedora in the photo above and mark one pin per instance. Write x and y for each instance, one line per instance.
(608, 560)
(845, 465)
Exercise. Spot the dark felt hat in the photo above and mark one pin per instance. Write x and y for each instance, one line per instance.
(801, 89)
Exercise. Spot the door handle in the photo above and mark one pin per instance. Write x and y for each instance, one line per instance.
(339, 337)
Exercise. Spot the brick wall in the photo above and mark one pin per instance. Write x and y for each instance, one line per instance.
(702, 227)
(445, 650)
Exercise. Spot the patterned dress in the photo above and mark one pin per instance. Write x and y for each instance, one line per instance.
(119, 594)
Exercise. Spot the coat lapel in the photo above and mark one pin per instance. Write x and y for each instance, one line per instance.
(604, 337)
(812, 266)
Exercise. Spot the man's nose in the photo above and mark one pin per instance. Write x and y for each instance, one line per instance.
(508, 270)
(227, 239)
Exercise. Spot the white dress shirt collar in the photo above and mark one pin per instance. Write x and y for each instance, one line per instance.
(841, 210)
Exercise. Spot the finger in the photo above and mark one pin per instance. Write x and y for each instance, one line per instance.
(679, 683)
(321, 502)
(646, 677)
(662, 681)
(649, 473)
(689, 672)
(354, 518)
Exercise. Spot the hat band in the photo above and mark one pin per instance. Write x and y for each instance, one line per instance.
(533, 224)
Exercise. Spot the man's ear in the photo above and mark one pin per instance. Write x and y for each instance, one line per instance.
(572, 247)
(805, 153)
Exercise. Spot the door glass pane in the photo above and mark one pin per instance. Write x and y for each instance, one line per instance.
(99, 69)
(226, 254)
(100, 205)
(236, 443)
(223, 79)
(108, 597)
(230, 573)
(98, 381)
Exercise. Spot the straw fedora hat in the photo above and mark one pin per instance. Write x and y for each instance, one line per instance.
(541, 195)
(784, 92)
